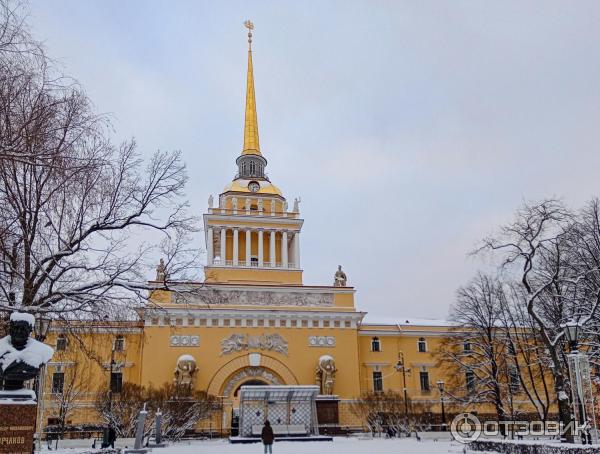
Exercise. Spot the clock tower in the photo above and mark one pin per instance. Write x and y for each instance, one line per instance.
(252, 236)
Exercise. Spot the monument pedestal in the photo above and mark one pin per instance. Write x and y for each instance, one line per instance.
(328, 414)
(18, 411)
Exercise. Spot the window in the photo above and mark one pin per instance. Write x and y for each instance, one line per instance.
(377, 381)
(422, 345)
(470, 380)
(58, 382)
(116, 382)
(467, 346)
(514, 380)
(375, 344)
(61, 343)
(424, 380)
(119, 345)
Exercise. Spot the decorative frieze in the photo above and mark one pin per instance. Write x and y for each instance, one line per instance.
(255, 298)
(240, 342)
(321, 341)
(185, 341)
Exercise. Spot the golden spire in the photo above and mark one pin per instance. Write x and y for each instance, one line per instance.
(251, 145)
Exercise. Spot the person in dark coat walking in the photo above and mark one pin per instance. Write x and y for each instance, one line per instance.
(267, 437)
(112, 437)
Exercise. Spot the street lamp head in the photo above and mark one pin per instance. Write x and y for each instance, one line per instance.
(440, 385)
(572, 332)
(42, 326)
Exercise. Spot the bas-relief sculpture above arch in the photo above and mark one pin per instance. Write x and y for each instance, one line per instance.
(247, 374)
(247, 367)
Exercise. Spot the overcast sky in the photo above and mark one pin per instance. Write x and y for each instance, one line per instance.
(409, 129)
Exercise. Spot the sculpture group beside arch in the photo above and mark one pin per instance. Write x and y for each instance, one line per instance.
(184, 375)
(325, 374)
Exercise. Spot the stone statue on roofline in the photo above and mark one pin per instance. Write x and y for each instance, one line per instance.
(210, 201)
(21, 356)
(340, 279)
(161, 271)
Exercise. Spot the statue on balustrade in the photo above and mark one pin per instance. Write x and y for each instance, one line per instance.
(210, 201)
(339, 279)
(161, 271)
(21, 356)
(325, 375)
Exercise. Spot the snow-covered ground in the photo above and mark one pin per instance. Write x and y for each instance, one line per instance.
(340, 445)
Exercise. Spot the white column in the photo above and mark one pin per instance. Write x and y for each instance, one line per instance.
(297, 249)
(260, 248)
(248, 246)
(209, 246)
(236, 253)
(272, 248)
(284, 249)
(223, 245)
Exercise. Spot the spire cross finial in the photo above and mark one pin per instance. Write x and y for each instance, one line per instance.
(250, 26)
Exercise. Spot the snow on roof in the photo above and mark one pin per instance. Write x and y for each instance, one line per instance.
(22, 317)
(35, 353)
(325, 358)
(379, 320)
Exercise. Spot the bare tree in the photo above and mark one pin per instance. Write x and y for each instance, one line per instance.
(74, 389)
(181, 414)
(477, 348)
(526, 355)
(81, 220)
(386, 410)
(550, 250)
(120, 410)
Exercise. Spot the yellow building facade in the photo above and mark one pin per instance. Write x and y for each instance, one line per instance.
(253, 320)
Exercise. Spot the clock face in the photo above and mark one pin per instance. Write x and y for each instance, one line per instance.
(253, 186)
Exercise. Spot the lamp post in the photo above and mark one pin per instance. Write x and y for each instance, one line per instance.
(581, 383)
(571, 329)
(106, 431)
(41, 328)
(401, 366)
(440, 385)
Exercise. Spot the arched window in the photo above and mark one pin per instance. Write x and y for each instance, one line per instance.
(467, 346)
(375, 345)
(252, 168)
(422, 345)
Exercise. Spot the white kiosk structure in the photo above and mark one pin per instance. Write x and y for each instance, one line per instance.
(291, 410)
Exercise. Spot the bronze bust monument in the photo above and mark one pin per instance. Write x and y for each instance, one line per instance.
(21, 356)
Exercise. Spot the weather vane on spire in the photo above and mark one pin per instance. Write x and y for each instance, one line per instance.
(250, 26)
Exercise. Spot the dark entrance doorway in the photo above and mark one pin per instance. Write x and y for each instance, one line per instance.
(235, 414)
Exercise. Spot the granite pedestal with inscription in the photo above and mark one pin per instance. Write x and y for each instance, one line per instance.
(21, 358)
(18, 411)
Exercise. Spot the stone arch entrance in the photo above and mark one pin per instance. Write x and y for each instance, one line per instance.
(253, 382)
(250, 366)
(250, 374)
